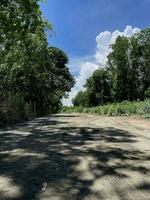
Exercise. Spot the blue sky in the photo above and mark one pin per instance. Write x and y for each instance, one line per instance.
(77, 23)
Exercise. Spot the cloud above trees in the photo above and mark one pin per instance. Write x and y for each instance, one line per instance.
(103, 47)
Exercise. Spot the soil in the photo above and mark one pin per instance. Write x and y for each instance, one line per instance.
(76, 157)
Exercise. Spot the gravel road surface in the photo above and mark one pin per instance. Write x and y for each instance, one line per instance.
(76, 157)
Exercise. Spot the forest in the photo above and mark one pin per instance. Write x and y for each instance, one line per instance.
(34, 76)
(126, 76)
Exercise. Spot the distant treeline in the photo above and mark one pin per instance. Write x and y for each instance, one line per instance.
(33, 75)
(126, 75)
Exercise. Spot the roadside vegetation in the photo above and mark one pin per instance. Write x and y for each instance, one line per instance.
(123, 85)
(125, 108)
(126, 75)
(34, 76)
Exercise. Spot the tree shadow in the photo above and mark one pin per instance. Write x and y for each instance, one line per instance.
(63, 163)
(144, 186)
(66, 116)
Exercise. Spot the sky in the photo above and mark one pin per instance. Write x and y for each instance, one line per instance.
(84, 29)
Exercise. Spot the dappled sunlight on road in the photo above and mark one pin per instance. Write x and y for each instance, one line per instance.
(8, 189)
(61, 160)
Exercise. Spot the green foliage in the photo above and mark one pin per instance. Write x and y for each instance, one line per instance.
(145, 109)
(129, 66)
(11, 111)
(30, 70)
(126, 75)
(115, 109)
(147, 93)
(72, 109)
(98, 90)
(80, 99)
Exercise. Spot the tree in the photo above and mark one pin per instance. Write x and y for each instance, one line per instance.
(30, 70)
(98, 88)
(80, 99)
(119, 68)
(23, 40)
(147, 93)
(63, 80)
(143, 44)
(129, 66)
(126, 75)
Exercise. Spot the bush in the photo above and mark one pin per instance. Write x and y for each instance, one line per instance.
(7, 113)
(145, 109)
(115, 109)
(13, 111)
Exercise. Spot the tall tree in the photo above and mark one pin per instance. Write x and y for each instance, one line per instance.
(143, 57)
(119, 68)
(98, 88)
(126, 75)
(29, 68)
(80, 99)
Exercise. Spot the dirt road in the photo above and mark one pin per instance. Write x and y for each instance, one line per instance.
(76, 157)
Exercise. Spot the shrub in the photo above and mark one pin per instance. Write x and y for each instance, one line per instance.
(115, 109)
(145, 109)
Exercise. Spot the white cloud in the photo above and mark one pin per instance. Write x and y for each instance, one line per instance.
(106, 38)
(86, 68)
(75, 63)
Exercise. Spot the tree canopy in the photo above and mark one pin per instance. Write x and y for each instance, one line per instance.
(30, 69)
(126, 75)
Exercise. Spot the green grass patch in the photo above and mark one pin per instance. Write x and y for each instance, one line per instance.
(126, 108)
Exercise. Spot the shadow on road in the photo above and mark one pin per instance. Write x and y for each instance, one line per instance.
(63, 161)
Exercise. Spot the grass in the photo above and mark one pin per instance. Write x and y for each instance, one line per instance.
(127, 108)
